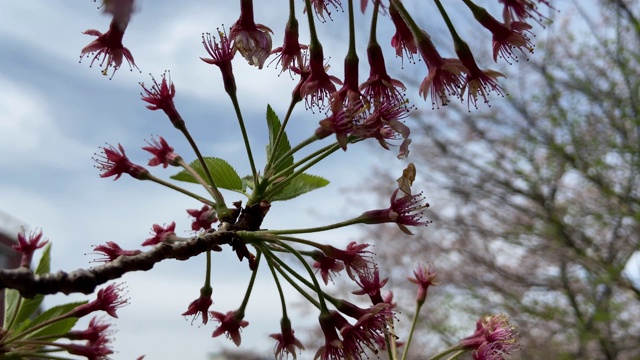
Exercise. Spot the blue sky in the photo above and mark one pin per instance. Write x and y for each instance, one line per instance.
(56, 113)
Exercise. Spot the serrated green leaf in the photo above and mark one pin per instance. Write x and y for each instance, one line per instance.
(54, 328)
(247, 182)
(223, 174)
(283, 145)
(11, 300)
(28, 307)
(301, 184)
(44, 266)
(57, 328)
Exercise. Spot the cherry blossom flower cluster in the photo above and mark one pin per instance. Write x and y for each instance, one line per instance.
(493, 339)
(352, 111)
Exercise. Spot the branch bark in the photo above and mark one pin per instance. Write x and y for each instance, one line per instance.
(86, 280)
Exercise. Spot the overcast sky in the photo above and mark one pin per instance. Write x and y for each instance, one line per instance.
(55, 113)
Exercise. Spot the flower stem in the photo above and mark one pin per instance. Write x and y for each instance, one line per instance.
(252, 281)
(198, 178)
(301, 145)
(181, 190)
(352, 33)
(292, 10)
(282, 265)
(316, 285)
(206, 289)
(445, 16)
(458, 349)
(414, 321)
(353, 221)
(301, 241)
(277, 188)
(374, 23)
(309, 157)
(37, 327)
(247, 145)
(217, 196)
(275, 279)
(390, 340)
(415, 29)
(314, 43)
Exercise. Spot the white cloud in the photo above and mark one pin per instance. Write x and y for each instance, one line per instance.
(29, 134)
(48, 27)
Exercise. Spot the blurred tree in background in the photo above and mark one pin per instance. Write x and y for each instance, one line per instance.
(549, 176)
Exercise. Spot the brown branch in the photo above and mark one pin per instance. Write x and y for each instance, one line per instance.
(86, 280)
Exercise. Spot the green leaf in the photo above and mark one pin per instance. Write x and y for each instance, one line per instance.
(44, 266)
(29, 306)
(11, 300)
(223, 174)
(247, 182)
(58, 327)
(301, 184)
(283, 145)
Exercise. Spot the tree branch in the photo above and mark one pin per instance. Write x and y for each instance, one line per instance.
(86, 280)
